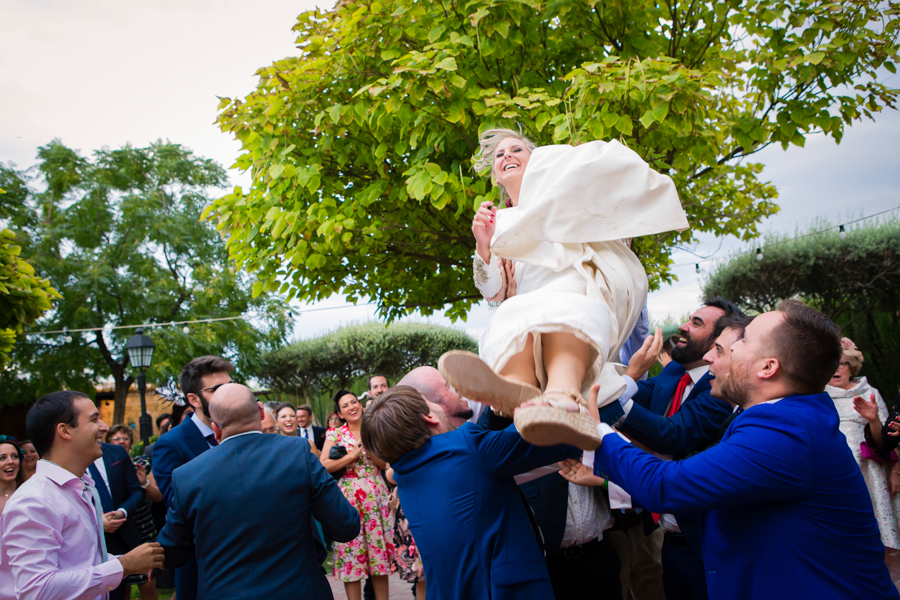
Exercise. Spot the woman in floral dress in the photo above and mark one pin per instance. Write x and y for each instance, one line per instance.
(371, 553)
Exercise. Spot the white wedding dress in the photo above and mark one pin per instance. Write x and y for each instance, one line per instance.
(574, 272)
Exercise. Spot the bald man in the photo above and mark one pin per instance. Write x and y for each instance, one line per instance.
(225, 505)
(429, 382)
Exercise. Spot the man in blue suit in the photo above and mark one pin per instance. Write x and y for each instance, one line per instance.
(781, 492)
(457, 489)
(199, 379)
(120, 494)
(673, 414)
(223, 502)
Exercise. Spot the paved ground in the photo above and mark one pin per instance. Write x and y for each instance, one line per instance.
(399, 588)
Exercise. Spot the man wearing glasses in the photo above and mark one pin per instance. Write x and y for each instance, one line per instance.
(199, 379)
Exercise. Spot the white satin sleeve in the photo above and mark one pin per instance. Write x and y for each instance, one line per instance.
(488, 278)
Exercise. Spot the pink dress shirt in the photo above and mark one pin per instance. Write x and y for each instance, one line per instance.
(49, 540)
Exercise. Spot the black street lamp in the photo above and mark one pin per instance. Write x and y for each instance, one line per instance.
(140, 353)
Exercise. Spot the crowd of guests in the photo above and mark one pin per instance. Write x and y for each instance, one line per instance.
(494, 516)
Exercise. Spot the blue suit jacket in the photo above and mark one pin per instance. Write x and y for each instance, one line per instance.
(692, 428)
(785, 510)
(125, 493)
(467, 517)
(176, 447)
(227, 507)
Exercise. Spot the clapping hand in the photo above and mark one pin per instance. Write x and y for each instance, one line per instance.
(867, 409)
(894, 427)
(113, 520)
(508, 286)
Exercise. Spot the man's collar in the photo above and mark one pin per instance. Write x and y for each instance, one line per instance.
(205, 430)
(237, 435)
(697, 373)
(56, 473)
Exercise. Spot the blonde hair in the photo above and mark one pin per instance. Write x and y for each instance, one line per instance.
(488, 143)
(852, 355)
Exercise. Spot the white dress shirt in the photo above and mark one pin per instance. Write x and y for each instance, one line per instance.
(205, 430)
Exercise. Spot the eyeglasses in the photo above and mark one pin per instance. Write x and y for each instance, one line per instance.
(215, 387)
(120, 439)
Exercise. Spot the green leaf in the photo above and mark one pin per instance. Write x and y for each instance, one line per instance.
(448, 64)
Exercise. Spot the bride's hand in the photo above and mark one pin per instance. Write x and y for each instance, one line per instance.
(483, 226)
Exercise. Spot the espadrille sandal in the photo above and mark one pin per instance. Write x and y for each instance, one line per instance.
(553, 424)
(472, 378)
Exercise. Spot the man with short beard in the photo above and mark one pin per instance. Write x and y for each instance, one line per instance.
(673, 414)
(784, 509)
(199, 380)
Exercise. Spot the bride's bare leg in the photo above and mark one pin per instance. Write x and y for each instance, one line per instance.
(521, 366)
(566, 360)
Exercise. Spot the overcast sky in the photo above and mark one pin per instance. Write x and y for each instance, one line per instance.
(103, 72)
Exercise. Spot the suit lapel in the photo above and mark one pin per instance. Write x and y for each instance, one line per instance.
(667, 390)
(701, 387)
(194, 439)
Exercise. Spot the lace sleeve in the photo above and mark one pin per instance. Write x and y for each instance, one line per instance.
(488, 278)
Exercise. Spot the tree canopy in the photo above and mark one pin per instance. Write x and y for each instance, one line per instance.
(854, 281)
(360, 148)
(316, 368)
(119, 235)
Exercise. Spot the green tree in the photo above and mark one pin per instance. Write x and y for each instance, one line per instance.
(360, 148)
(313, 369)
(119, 235)
(854, 281)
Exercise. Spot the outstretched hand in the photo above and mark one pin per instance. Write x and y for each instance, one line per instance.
(646, 356)
(867, 409)
(575, 472)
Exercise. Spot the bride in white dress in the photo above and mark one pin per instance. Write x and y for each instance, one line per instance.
(580, 288)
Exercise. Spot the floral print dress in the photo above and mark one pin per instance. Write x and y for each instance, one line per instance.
(371, 553)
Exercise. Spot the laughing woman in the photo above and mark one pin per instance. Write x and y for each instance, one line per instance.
(371, 553)
(568, 215)
(10, 472)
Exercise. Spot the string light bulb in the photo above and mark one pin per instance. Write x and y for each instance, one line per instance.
(186, 330)
(842, 233)
(66, 336)
(697, 268)
(759, 254)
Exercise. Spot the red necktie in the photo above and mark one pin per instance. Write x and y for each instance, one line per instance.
(679, 393)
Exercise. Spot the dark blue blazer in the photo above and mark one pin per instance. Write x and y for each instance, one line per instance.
(126, 493)
(229, 508)
(177, 447)
(467, 517)
(785, 510)
(547, 496)
(692, 428)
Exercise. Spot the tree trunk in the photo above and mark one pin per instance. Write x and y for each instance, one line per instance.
(120, 399)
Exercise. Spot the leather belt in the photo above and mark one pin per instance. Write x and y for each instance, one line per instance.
(577, 550)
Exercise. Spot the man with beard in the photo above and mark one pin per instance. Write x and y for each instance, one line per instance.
(673, 415)
(199, 380)
(781, 491)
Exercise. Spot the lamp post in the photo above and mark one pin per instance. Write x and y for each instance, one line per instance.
(140, 353)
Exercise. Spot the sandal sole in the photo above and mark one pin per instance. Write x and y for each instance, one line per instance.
(549, 426)
(472, 378)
